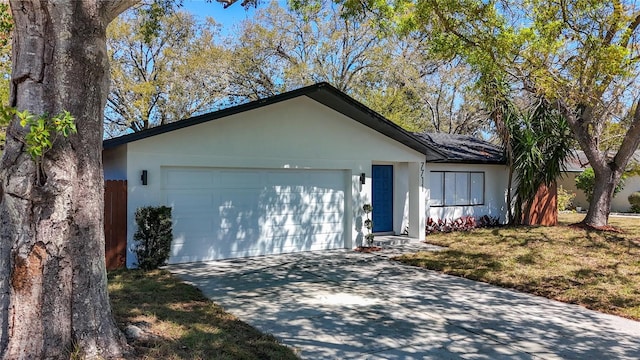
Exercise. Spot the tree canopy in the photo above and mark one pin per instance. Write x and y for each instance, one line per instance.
(581, 57)
(165, 75)
(282, 49)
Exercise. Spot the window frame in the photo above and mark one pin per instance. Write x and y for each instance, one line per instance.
(443, 188)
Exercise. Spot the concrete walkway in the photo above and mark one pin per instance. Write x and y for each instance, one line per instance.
(347, 305)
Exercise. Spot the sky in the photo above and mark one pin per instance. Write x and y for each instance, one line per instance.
(233, 15)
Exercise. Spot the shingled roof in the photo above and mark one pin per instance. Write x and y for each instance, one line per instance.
(577, 161)
(464, 149)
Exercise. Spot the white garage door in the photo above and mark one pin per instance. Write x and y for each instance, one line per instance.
(227, 213)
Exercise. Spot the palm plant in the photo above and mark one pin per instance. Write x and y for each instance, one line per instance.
(536, 139)
(541, 141)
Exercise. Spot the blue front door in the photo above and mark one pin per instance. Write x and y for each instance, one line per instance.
(382, 197)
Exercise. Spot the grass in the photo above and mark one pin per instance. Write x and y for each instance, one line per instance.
(599, 270)
(183, 323)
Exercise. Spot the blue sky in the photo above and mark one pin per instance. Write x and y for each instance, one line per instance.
(227, 17)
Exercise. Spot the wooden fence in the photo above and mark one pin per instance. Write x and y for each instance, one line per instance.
(115, 223)
(544, 210)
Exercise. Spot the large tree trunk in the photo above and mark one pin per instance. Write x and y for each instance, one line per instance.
(605, 181)
(53, 286)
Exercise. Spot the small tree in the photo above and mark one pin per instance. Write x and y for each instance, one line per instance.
(153, 236)
(367, 208)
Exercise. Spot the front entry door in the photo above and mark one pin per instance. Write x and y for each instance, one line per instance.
(382, 197)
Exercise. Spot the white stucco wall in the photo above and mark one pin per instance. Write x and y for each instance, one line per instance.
(620, 202)
(495, 188)
(295, 134)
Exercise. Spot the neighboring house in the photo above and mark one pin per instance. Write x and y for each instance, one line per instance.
(292, 172)
(577, 163)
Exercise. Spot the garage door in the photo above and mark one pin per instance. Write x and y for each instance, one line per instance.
(228, 213)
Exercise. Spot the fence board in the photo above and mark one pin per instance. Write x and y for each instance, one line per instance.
(115, 223)
(544, 210)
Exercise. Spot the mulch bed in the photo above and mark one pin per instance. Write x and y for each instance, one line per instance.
(584, 226)
(368, 249)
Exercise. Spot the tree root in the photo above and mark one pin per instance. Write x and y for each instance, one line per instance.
(607, 228)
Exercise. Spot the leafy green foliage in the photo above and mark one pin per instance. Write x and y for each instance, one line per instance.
(585, 181)
(43, 131)
(163, 74)
(6, 25)
(153, 236)
(565, 199)
(634, 200)
(280, 50)
(537, 139)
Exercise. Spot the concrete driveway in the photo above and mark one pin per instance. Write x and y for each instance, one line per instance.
(347, 305)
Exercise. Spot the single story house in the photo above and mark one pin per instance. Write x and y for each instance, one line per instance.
(576, 165)
(292, 172)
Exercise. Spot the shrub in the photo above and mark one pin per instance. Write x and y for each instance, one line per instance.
(464, 223)
(489, 221)
(586, 180)
(153, 237)
(565, 199)
(634, 200)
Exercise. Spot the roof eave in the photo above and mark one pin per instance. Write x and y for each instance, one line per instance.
(471, 162)
(323, 93)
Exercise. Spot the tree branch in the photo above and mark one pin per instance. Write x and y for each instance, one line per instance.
(111, 9)
(617, 11)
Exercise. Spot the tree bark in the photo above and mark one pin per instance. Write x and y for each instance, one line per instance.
(53, 286)
(605, 181)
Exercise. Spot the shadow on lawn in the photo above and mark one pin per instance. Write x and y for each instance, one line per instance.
(472, 266)
(182, 322)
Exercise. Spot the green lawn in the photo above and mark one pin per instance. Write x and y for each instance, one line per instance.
(599, 270)
(184, 324)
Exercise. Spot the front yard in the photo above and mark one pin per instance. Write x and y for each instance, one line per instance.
(599, 270)
(181, 323)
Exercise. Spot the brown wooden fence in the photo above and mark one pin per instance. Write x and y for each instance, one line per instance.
(544, 210)
(115, 223)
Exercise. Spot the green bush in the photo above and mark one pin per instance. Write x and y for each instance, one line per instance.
(565, 199)
(586, 180)
(634, 200)
(153, 237)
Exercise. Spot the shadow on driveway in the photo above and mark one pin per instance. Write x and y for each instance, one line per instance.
(342, 304)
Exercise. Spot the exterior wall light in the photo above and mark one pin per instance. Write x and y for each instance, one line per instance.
(143, 177)
(363, 178)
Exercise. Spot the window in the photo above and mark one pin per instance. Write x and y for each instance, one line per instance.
(449, 188)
